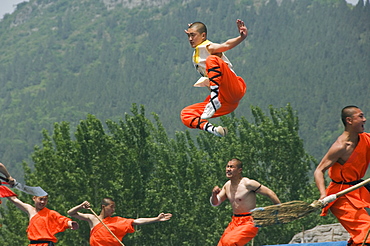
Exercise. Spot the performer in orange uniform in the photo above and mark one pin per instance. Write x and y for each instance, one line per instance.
(241, 193)
(99, 235)
(227, 89)
(44, 223)
(347, 161)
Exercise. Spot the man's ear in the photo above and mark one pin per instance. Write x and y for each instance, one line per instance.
(349, 120)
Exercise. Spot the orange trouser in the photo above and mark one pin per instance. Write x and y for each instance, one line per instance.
(239, 232)
(231, 89)
(356, 221)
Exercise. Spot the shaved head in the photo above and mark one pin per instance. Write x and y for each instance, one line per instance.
(237, 162)
(106, 201)
(348, 111)
(199, 26)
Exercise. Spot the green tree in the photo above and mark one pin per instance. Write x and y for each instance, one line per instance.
(146, 172)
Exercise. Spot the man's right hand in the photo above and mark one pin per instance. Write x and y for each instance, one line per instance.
(216, 190)
(85, 205)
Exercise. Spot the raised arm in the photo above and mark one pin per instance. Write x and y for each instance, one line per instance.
(82, 216)
(218, 196)
(159, 218)
(215, 48)
(25, 207)
(4, 171)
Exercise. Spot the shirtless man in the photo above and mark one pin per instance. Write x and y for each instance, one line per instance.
(241, 192)
(347, 161)
(99, 235)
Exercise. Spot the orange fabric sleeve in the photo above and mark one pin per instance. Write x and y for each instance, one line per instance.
(45, 224)
(100, 236)
(6, 192)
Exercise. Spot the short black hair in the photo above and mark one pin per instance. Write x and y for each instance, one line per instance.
(106, 201)
(199, 26)
(347, 111)
(239, 163)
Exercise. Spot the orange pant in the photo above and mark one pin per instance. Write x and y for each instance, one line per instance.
(356, 221)
(239, 232)
(231, 90)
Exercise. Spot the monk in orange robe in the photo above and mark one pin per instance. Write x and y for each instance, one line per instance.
(100, 236)
(226, 88)
(118, 226)
(43, 222)
(347, 161)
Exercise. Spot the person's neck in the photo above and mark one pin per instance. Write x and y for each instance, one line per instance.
(102, 215)
(351, 136)
(236, 180)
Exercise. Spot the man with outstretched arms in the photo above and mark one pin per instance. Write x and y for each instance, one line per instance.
(227, 89)
(99, 234)
(347, 161)
(44, 223)
(241, 192)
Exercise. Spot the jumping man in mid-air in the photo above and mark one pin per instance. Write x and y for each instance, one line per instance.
(227, 89)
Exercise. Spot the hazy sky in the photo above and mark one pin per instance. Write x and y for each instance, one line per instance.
(8, 6)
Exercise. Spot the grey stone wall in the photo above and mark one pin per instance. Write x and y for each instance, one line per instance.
(322, 233)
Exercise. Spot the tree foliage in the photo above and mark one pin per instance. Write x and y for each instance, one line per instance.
(146, 172)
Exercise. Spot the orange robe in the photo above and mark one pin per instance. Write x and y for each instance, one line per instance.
(100, 236)
(231, 90)
(44, 225)
(5, 191)
(239, 231)
(350, 208)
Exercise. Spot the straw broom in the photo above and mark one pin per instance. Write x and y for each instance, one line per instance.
(293, 210)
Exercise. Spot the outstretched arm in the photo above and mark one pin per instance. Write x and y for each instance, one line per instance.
(263, 190)
(215, 48)
(160, 217)
(4, 171)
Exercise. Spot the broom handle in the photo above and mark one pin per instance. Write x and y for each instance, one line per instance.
(343, 192)
(332, 197)
(106, 227)
(367, 235)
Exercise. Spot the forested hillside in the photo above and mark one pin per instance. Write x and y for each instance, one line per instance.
(61, 60)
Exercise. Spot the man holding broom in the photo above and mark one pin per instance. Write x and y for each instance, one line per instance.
(241, 192)
(107, 230)
(347, 161)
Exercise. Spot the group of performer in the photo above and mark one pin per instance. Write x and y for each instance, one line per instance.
(346, 162)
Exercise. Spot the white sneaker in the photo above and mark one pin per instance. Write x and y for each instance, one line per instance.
(209, 110)
(221, 131)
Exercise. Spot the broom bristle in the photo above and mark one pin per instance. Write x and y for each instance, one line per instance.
(283, 213)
